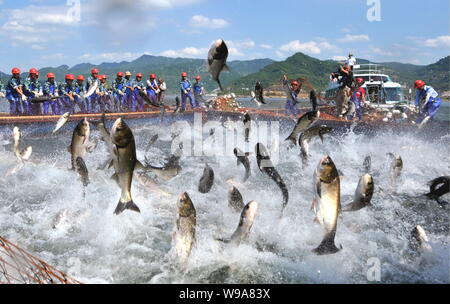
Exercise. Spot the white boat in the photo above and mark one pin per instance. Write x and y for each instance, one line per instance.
(381, 91)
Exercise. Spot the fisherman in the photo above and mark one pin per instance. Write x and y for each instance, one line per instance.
(358, 98)
(51, 89)
(91, 101)
(162, 89)
(138, 85)
(78, 92)
(152, 88)
(198, 90)
(33, 89)
(103, 94)
(351, 61)
(66, 92)
(430, 98)
(292, 90)
(344, 92)
(129, 98)
(186, 92)
(118, 87)
(14, 92)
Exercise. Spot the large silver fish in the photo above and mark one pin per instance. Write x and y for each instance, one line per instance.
(217, 59)
(61, 121)
(266, 166)
(327, 203)
(184, 235)
(303, 123)
(307, 135)
(396, 167)
(243, 159)
(363, 194)
(245, 224)
(80, 143)
(418, 241)
(235, 200)
(207, 180)
(124, 162)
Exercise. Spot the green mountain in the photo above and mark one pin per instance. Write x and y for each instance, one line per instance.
(169, 68)
(318, 71)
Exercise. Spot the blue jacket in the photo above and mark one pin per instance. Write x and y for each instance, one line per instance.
(420, 94)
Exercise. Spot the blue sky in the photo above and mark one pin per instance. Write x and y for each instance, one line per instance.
(43, 33)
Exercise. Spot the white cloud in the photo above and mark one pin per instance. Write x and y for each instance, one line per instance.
(199, 21)
(166, 4)
(310, 47)
(354, 38)
(111, 57)
(246, 44)
(443, 41)
(266, 46)
(339, 58)
(188, 52)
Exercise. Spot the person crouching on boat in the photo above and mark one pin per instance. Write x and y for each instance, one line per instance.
(152, 88)
(358, 99)
(33, 89)
(118, 87)
(51, 90)
(103, 94)
(78, 93)
(344, 93)
(162, 90)
(186, 92)
(138, 85)
(66, 92)
(292, 90)
(14, 93)
(430, 98)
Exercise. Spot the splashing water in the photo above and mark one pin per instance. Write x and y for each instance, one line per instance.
(95, 246)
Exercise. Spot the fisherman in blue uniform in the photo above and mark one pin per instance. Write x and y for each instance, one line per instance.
(66, 92)
(430, 98)
(78, 93)
(118, 87)
(14, 92)
(186, 92)
(103, 95)
(33, 89)
(138, 85)
(152, 89)
(91, 101)
(198, 90)
(128, 99)
(51, 89)
(292, 91)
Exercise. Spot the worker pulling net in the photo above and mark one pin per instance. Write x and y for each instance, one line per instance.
(19, 267)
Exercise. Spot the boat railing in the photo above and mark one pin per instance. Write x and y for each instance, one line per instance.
(368, 68)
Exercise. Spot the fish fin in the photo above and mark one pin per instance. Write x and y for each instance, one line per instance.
(139, 166)
(441, 202)
(316, 220)
(220, 84)
(321, 137)
(226, 68)
(318, 188)
(91, 146)
(292, 139)
(111, 163)
(122, 206)
(115, 178)
(327, 245)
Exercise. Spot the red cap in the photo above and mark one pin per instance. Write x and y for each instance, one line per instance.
(80, 77)
(197, 78)
(419, 84)
(119, 74)
(103, 77)
(50, 75)
(70, 77)
(359, 80)
(184, 74)
(94, 71)
(152, 76)
(33, 71)
(294, 82)
(138, 75)
(15, 71)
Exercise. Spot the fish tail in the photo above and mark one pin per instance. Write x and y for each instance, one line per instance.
(122, 206)
(327, 245)
(292, 139)
(220, 85)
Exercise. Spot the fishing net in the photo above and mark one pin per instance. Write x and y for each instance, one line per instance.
(19, 267)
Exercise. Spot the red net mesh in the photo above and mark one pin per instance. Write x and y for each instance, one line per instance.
(19, 267)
